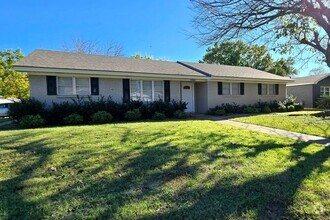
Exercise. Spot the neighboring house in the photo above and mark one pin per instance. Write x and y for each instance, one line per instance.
(308, 89)
(60, 76)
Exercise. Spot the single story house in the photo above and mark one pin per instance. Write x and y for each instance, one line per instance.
(309, 88)
(59, 76)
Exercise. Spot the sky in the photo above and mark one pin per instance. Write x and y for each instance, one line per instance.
(157, 28)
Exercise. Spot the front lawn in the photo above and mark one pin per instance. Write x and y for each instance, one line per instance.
(301, 122)
(191, 169)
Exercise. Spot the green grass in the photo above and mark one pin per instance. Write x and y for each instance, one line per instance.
(190, 169)
(298, 122)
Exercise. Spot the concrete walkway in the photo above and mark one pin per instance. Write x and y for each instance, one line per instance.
(273, 131)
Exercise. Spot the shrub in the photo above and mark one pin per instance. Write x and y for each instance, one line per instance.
(266, 109)
(219, 112)
(179, 114)
(133, 115)
(298, 107)
(31, 121)
(290, 108)
(282, 108)
(73, 119)
(101, 117)
(26, 107)
(323, 103)
(250, 110)
(159, 116)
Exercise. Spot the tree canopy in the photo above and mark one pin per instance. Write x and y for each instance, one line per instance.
(255, 56)
(286, 23)
(12, 84)
(140, 57)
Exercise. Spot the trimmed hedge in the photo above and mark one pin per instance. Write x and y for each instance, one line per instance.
(288, 104)
(87, 108)
(31, 121)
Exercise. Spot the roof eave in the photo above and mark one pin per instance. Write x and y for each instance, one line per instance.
(44, 70)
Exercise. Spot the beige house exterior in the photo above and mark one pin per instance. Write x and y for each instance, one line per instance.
(60, 76)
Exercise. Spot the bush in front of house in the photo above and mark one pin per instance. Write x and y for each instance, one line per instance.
(290, 108)
(179, 114)
(133, 115)
(73, 119)
(88, 108)
(31, 121)
(31, 106)
(158, 116)
(101, 117)
(323, 103)
(250, 110)
(266, 109)
(289, 104)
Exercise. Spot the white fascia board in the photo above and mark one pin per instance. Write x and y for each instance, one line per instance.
(300, 84)
(105, 74)
(251, 80)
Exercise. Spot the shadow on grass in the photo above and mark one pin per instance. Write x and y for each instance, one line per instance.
(146, 167)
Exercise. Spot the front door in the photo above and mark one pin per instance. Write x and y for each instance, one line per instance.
(187, 91)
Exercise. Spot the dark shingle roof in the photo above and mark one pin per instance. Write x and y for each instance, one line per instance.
(308, 80)
(76, 61)
(66, 60)
(234, 71)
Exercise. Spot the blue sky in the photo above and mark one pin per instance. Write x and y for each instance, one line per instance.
(149, 27)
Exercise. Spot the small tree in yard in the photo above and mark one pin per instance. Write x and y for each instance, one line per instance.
(12, 83)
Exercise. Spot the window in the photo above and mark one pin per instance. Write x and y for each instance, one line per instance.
(65, 86)
(146, 90)
(73, 86)
(264, 89)
(135, 89)
(269, 89)
(230, 88)
(225, 88)
(235, 88)
(325, 91)
(158, 90)
(82, 86)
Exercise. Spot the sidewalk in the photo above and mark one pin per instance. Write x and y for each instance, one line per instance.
(273, 131)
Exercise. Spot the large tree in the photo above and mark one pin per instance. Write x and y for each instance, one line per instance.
(255, 56)
(287, 22)
(12, 84)
(80, 45)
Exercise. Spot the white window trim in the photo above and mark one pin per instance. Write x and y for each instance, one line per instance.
(231, 88)
(323, 94)
(152, 89)
(74, 88)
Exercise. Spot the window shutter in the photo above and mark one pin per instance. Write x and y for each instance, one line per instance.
(126, 90)
(51, 85)
(167, 91)
(277, 89)
(219, 88)
(241, 88)
(259, 88)
(94, 86)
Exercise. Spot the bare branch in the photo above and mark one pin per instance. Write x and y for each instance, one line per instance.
(79, 45)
